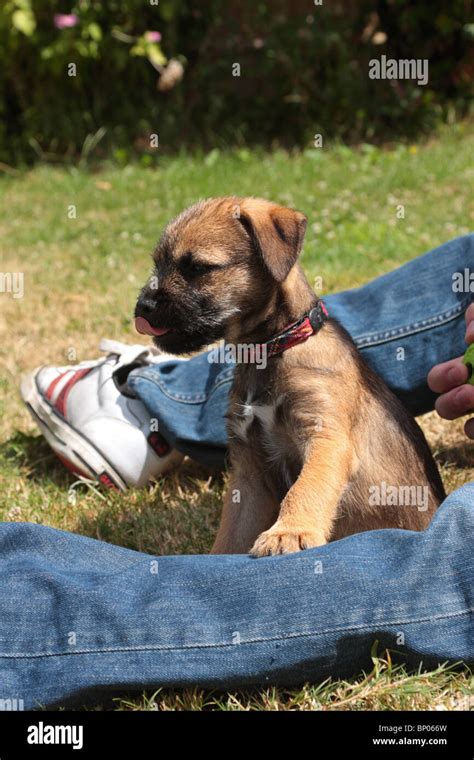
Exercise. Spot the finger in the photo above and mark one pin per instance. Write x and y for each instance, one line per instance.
(469, 337)
(457, 402)
(469, 315)
(444, 377)
(469, 428)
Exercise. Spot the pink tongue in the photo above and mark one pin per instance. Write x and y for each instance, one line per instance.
(143, 326)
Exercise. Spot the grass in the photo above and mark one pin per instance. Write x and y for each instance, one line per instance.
(386, 687)
(81, 280)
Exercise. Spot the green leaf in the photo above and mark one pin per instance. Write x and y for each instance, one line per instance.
(155, 54)
(24, 21)
(24, 5)
(95, 31)
(138, 49)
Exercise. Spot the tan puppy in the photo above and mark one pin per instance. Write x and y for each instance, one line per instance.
(319, 446)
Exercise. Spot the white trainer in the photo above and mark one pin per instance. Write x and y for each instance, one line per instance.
(96, 428)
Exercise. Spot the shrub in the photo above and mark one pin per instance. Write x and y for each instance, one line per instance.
(303, 70)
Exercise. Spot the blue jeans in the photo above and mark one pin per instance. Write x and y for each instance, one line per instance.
(80, 618)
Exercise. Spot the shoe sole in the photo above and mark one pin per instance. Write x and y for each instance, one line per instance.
(76, 451)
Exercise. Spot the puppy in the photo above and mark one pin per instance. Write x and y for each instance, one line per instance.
(319, 446)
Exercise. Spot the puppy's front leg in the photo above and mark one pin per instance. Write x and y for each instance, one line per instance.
(248, 510)
(309, 508)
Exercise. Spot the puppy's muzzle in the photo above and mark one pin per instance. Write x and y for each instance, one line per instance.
(147, 316)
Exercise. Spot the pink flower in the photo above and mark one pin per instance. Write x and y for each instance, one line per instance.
(65, 20)
(152, 36)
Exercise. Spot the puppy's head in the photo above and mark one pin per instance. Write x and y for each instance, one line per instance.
(218, 263)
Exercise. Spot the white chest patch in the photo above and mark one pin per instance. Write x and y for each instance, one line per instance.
(271, 438)
(243, 420)
(248, 413)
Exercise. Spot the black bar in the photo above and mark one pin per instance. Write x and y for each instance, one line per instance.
(373, 734)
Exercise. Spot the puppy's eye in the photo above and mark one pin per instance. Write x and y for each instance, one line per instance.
(190, 268)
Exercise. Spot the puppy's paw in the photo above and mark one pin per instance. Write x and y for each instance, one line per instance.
(281, 540)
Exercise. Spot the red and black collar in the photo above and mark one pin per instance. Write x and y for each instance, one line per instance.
(297, 332)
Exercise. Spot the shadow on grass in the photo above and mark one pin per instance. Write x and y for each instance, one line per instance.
(38, 463)
(176, 515)
(458, 456)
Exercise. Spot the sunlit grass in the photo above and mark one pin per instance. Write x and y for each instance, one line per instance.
(81, 279)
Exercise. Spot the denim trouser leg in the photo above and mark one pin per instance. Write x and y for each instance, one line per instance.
(403, 322)
(80, 617)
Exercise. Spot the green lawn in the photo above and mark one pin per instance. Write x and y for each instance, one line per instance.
(82, 276)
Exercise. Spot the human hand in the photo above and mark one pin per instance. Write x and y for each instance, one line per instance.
(449, 380)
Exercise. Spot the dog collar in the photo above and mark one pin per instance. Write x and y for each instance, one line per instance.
(299, 331)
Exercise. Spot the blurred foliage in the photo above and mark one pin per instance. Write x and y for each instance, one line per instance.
(303, 71)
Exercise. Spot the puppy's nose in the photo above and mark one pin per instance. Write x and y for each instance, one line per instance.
(145, 306)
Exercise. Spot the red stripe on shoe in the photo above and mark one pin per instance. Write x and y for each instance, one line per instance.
(50, 391)
(60, 403)
(71, 467)
(103, 478)
(107, 481)
(159, 444)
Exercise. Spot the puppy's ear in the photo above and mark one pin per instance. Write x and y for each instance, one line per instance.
(276, 232)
